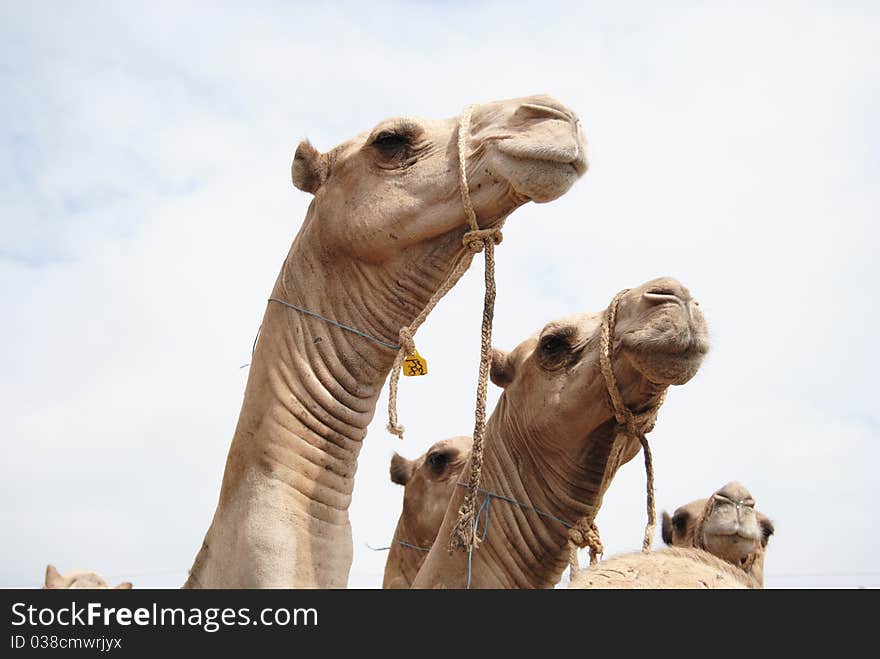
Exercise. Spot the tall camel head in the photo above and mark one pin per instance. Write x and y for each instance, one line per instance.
(553, 381)
(397, 185)
(728, 526)
(78, 579)
(428, 483)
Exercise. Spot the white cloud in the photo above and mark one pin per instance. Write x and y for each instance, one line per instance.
(145, 208)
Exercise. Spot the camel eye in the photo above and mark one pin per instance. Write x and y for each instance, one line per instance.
(552, 344)
(680, 523)
(388, 142)
(437, 462)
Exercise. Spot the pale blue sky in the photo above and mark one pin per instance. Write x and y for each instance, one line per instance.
(145, 207)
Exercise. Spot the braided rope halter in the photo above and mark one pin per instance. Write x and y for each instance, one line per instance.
(585, 533)
(475, 240)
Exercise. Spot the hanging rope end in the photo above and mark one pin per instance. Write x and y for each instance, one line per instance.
(583, 534)
(648, 541)
(649, 487)
(574, 566)
(463, 537)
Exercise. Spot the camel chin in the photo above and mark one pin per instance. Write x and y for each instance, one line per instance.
(546, 180)
(669, 368)
(732, 547)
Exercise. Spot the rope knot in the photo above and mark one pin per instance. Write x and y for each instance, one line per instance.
(583, 535)
(577, 536)
(407, 343)
(395, 429)
(476, 239)
(587, 536)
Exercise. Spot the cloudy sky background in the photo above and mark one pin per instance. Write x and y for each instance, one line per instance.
(146, 206)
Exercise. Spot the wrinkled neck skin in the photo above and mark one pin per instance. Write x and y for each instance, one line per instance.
(403, 562)
(557, 472)
(282, 517)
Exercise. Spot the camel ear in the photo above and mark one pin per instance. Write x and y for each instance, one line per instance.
(501, 369)
(401, 469)
(125, 585)
(309, 169)
(767, 529)
(54, 578)
(680, 521)
(666, 528)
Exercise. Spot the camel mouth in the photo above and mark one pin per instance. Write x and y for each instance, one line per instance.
(570, 154)
(685, 346)
(543, 163)
(541, 175)
(736, 532)
(680, 344)
(669, 360)
(732, 547)
(673, 328)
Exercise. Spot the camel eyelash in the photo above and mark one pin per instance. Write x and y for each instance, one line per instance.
(389, 140)
(560, 337)
(400, 131)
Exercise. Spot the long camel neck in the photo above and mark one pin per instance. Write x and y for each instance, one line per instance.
(526, 542)
(282, 517)
(406, 555)
(553, 484)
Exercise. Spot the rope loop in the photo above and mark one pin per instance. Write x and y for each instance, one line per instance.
(395, 429)
(629, 424)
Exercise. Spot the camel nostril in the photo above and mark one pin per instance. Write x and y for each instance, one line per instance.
(662, 295)
(541, 110)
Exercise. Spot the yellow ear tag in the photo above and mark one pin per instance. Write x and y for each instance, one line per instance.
(415, 365)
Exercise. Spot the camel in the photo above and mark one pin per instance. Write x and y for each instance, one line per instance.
(552, 444)
(717, 542)
(384, 230)
(78, 579)
(428, 482)
(726, 525)
(673, 567)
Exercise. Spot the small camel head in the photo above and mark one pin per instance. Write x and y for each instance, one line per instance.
(553, 382)
(398, 184)
(429, 482)
(731, 530)
(78, 579)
